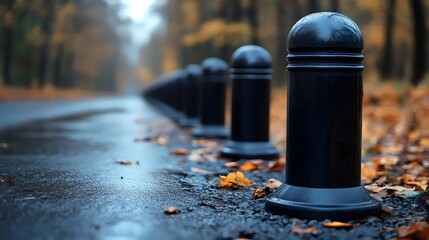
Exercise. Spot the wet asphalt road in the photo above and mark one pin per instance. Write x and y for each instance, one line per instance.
(68, 185)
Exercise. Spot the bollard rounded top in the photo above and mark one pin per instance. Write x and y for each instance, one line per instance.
(325, 30)
(251, 56)
(194, 70)
(214, 66)
(179, 74)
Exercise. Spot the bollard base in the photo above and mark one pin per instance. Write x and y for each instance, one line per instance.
(210, 131)
(188, 122)
(341, 204)
(249, 150)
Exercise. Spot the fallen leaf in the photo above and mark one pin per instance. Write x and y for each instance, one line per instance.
(408, 194)
(236, 178)
(424, 142)
(417, 230)
(248, 166)
(128, 163)
(200, 170)
(232, 165)
(260, 193)
(388, 160)
(273, 183)
(171, 210)
(419, 186)
(380, 195)
(380, 180)
(179, 152)
(257, 162)
(277, 165)
(338, 225)
(161, 140)
(11, 179)
(195, 157)
(368, 171)
(301, 230)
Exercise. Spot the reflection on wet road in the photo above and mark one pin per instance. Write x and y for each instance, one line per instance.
(68, 184)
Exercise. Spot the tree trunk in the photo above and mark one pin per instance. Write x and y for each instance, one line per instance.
(8, 48)
(386, 63)
(335, 6)
(253, 21)
(57, 65)
(281, 42)
(44, 49)
(313, 6)
(419, 62)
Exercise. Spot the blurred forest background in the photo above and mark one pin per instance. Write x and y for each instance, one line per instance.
(395, 32)
(79, 44)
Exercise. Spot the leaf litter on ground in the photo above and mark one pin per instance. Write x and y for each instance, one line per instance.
(234, 179)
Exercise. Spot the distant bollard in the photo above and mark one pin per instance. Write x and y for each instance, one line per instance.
(180, 78)
(250, 75)
(164, 94)
(323, 151)
(190, 92)
(212, 100)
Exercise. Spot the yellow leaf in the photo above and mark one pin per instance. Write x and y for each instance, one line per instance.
(338, 225)
(248, 166)
(234, 178)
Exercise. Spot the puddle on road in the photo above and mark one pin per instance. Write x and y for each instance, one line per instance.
(125, 230)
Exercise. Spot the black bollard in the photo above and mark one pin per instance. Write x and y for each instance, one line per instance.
(180, 76)
(190, 95)
(164, 94)
(324, 123)
(212, 100)
(250, 75)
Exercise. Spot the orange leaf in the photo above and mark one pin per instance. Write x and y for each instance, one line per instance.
(180, 152)
(300, 230)
(277, 165)
(336, 224)
(424, 142)
(248, 166)
(234, 178)
(368, 171)
(417, 230)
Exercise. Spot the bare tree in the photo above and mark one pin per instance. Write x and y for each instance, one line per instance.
(386, 61)
(420, 58)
